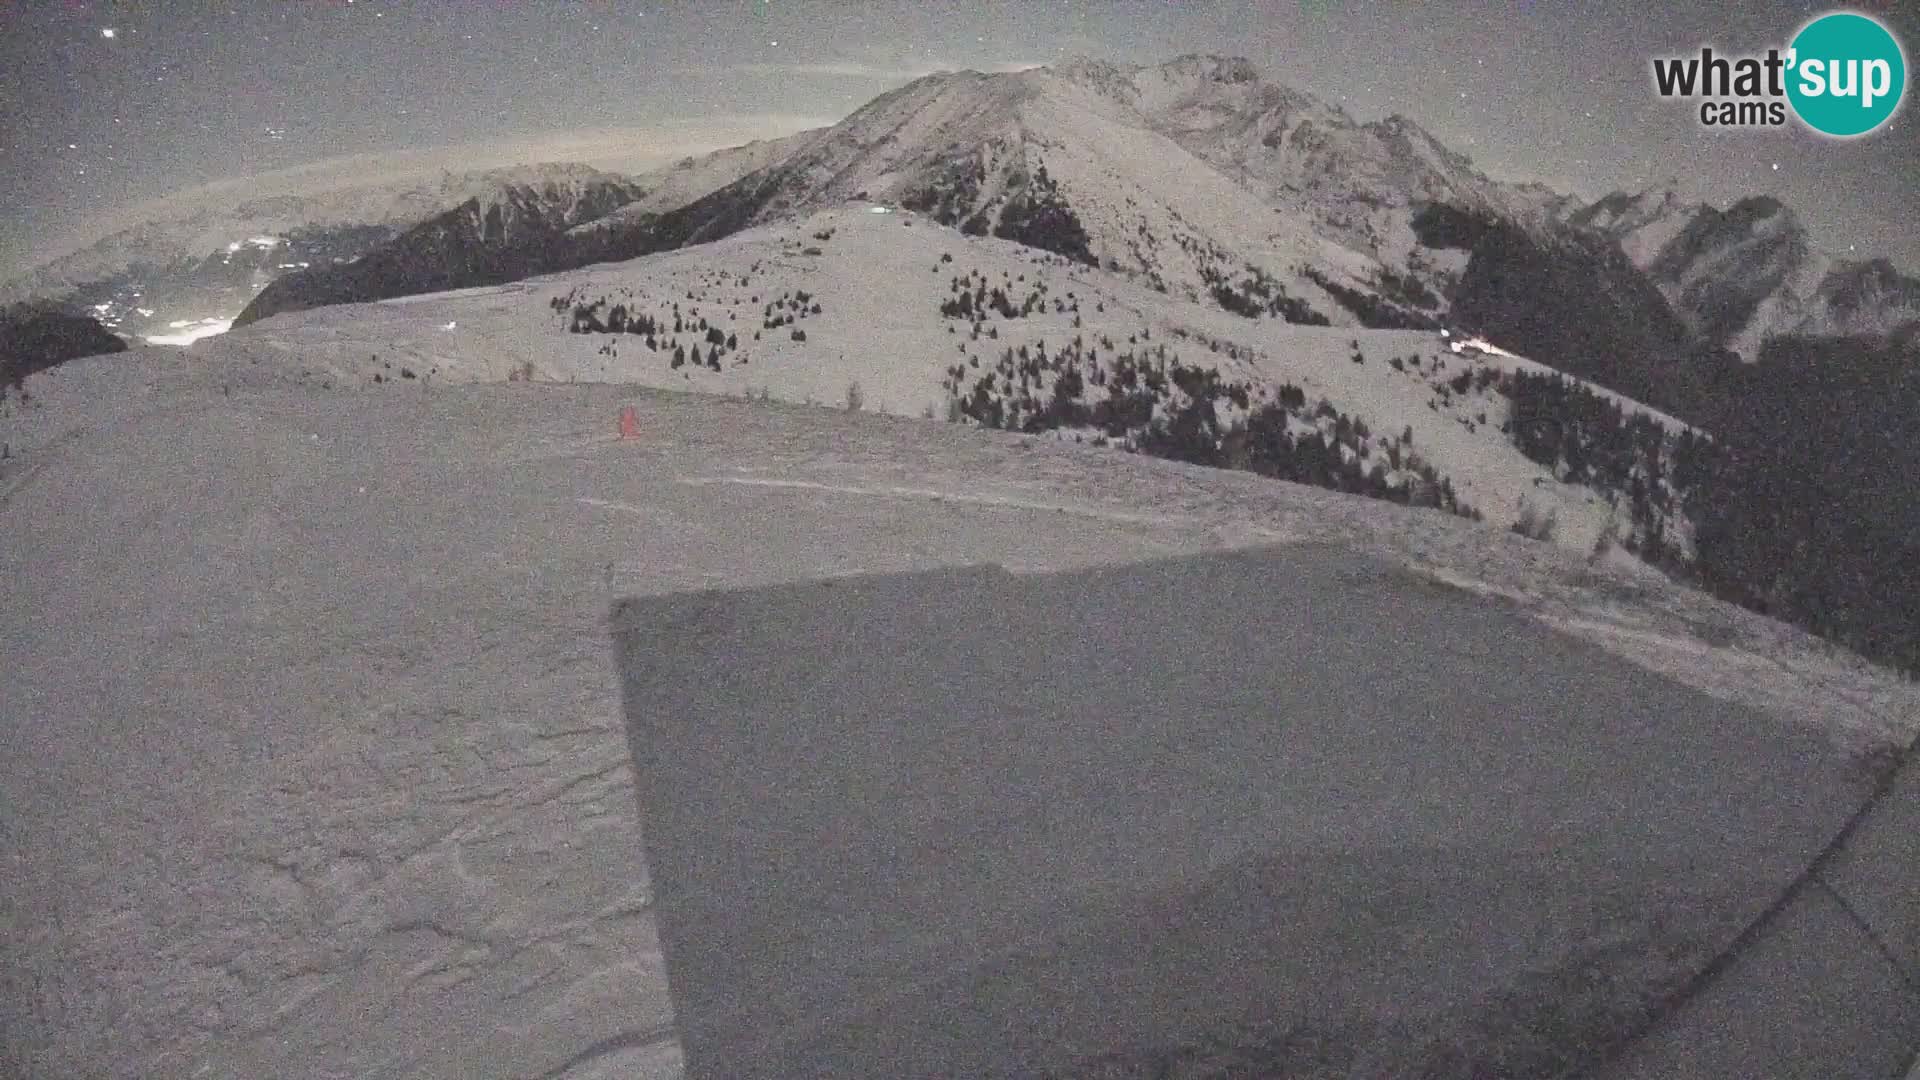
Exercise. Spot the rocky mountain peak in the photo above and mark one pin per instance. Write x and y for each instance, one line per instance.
(1215, 67)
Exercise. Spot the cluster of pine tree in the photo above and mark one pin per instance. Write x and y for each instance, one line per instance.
(971, 297)
(1803, 505)
(1150, 402)
(1587, 438)
(1799, 504)
(1034, 211)
(708, 343)
(1037, 215)
(1373, 312)
(1405, 289)
(1268, 444)
(952, 195)
(1258, 294)
(787, 309)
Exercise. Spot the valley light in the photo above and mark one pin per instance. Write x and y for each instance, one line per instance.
(191, 331)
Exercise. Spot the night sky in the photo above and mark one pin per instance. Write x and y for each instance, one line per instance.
(106, 104)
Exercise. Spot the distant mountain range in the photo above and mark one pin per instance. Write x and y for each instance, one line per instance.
(1273, 285)
(1745, 275)
(1203, 179)
(204, 265)
(1196, 176)
(490, 237)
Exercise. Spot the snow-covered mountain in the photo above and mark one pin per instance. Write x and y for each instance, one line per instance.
(495, 235)
(1742, 276)
(1197, 178)
(1195, 175)
(201, 265)
(694, 177)
(1643, 223)
(457, 249)
(1206, 182)
(1358, 182)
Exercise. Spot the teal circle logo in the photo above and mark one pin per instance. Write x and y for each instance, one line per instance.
(1846, 74)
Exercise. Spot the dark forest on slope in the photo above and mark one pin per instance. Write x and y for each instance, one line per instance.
(1809, 511)
(1801, 503)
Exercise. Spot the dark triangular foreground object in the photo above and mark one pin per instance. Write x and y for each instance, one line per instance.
(1261, 808)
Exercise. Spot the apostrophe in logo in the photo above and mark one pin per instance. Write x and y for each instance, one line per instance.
(1848, 74)
(1843, 75)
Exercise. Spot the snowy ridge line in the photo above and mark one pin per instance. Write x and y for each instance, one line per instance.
(1004, 502)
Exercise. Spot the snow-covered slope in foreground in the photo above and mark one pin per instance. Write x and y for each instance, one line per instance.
(315, 764)
(879, 281)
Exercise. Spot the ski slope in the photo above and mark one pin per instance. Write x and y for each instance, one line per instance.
(879, 281)
(315, 763)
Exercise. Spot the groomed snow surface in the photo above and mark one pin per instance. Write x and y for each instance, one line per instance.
(315, 764)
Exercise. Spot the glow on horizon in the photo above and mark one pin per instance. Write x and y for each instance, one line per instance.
(191, 330)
